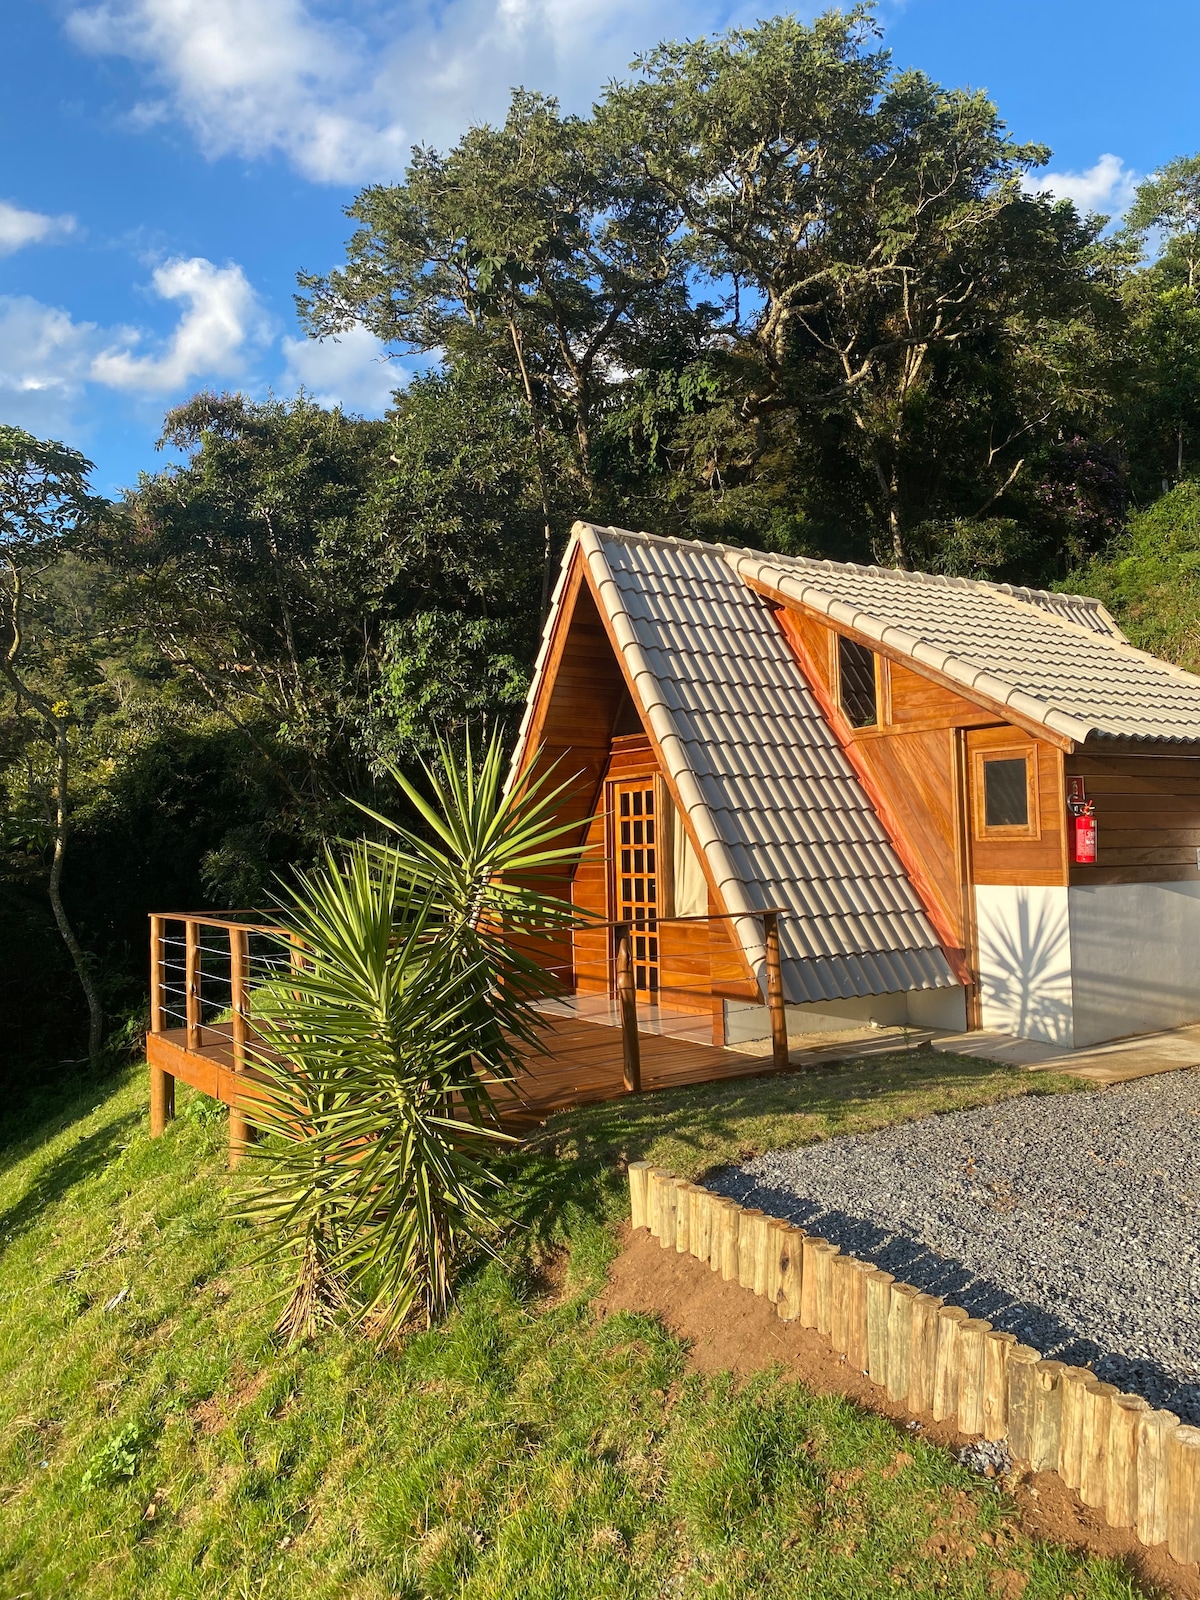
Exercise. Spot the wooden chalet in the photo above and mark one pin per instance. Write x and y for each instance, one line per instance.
(975, 805)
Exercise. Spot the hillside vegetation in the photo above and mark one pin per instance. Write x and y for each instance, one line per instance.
(156, 1442)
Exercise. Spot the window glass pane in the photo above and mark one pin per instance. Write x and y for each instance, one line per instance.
(856, 670)
(1006, 793)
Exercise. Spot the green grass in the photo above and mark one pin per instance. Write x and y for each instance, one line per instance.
(156, 1442)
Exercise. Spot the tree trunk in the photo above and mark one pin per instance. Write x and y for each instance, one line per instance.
(535, 423)
(82, 966)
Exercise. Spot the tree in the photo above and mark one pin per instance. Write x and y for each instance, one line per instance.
(46, 506)
(532, 248)
(1164, 304)
(895, 287)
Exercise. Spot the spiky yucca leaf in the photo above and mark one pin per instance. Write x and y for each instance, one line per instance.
(404, 998)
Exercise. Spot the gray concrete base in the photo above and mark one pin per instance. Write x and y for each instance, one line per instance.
(1120, 1061)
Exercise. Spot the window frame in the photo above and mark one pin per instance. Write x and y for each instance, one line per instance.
(882, 708)
(1026, 751)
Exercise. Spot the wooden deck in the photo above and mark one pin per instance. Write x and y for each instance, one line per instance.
(580, 1065)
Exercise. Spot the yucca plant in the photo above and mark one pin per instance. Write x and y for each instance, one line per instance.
(407, 996)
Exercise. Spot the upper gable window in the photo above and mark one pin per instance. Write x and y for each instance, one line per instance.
(857, 683)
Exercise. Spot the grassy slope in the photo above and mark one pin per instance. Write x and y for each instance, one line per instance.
(154, 1441)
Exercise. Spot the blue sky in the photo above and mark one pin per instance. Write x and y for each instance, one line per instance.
(169, 165)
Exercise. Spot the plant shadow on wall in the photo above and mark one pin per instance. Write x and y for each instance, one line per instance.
(1025, 962)
(409, 998)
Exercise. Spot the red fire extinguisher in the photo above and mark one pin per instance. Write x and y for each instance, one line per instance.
(1084, 819)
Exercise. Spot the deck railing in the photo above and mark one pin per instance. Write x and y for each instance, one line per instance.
(204, 969)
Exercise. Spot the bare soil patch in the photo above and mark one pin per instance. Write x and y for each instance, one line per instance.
(727, 1329)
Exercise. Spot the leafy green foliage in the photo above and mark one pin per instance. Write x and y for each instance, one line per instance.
(408, 1001)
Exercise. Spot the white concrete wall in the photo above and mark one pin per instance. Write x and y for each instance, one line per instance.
(1025, 961)
(1135, 957)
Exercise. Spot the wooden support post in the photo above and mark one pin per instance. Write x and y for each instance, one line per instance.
(1120, 1501)
(1153, 1475)
(1183, 1515)
(879, 1302)
(1047, 1429)
(660, 1180)
(922, 1355)
(845, 1279)
(1021, 1400)
(700, 1222)
(996, 1346)
(808, 1284)
(856, 1313)
(192, 976)
(824, 1270)
(945, 1375)
(668, 1208)
(899, 1340)
(631, 1053)
(775, 1006)
(157, 1018)
(791, 1271)
(639, 1173)
(1097, 1425)
(1070, 1443)
(239, 1128)
(971, 1335)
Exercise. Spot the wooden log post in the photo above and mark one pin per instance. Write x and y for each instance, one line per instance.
(1070, 1445)
(879, 1302)
(856, 1312)
(1120, 1501)
(808, 1287)
(631, 1054)
(668, 1209)
(791, 1270)
(639, 1174)
(899, 1340)
(162, 1084)
(996, 1346)
(192, 977)
(1047, 1427)
(659, 1181)
(1021, 1400)
(824, 1269)
(971, 1357)
(731, 1228)
(945, 1376)
(700, 1216)
(1153, 1475)
(750, 1223)
(922, 1355)
(1183, 1512)
(775, 1005)
(1097, 1428)
(683, 1217)
(240, 1132)
(778, 1258)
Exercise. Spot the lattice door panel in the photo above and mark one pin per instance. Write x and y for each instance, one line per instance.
(637, 877)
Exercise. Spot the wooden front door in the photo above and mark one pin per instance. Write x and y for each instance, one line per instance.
(637, 879)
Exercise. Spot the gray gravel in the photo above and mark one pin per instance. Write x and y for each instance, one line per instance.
(1072, 1221)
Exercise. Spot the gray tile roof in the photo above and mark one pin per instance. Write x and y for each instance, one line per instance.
(778, 810)
(1057, 660)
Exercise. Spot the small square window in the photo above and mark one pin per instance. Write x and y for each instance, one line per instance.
(856, 682)
(1006, 792)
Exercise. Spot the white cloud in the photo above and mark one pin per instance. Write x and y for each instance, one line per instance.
(351, 371)
(342, 88)
(1106, 188)
(19, 228)
(223, 316)
(44, 358)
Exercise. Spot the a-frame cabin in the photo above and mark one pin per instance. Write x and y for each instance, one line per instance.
(915, 769)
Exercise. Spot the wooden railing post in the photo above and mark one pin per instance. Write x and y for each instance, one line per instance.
(162, 1084)
(627, 1000)
(239, 1128)
(779, 1040)
(192, 982)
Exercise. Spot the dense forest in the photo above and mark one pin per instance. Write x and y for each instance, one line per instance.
(771, 291)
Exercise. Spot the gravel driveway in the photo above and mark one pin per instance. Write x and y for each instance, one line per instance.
(1070, 1220)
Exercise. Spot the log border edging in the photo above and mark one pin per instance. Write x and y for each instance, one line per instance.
(1139, 1467)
